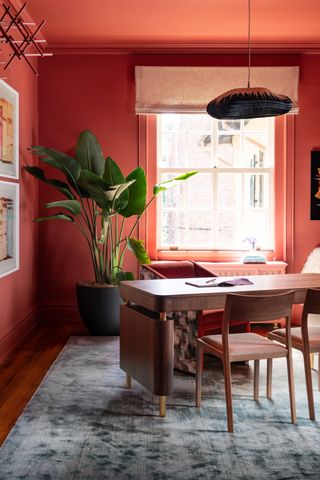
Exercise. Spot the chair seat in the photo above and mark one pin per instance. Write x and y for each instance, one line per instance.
(248, 346)
(314, 336)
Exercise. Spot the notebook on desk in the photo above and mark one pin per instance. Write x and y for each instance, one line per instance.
(214, 282)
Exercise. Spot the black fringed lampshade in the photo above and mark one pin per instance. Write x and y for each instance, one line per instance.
(249, 103)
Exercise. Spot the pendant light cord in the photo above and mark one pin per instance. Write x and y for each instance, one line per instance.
(249, 42)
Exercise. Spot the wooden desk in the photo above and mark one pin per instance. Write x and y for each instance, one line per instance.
(146, 336)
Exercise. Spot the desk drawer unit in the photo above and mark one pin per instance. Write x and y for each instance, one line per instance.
(146, 348)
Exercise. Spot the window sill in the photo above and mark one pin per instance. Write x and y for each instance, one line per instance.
(210, 255)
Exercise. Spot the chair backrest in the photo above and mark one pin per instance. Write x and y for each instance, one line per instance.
(312, 302)
(249, 308)
(178, 269)
(311, 306)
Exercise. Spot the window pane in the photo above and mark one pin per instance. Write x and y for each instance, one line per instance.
(256, 124)
(200, 228)
(199, 150)
(226, 229)
(225, 125)
(173, 228)
(172, 122)
(255, 224)
(228, 150)
(256, 190)
(173, 197)
(173, 152)
(255, 150)
(200, 191)
(199, 123)
(229, 190)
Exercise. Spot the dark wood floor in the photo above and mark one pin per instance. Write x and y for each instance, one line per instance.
(21, 375)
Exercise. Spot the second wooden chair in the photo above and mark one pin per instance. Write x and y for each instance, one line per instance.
(306, 339)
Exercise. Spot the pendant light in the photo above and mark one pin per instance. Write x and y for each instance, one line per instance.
(249, 102)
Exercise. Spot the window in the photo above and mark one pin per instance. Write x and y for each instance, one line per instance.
(232, 196)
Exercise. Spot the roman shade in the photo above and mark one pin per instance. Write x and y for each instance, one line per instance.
(189, 89)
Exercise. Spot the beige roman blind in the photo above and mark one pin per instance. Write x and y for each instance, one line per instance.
(189, 89)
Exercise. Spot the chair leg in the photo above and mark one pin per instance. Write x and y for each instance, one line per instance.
(291, 388)
(228, 390)
(269, 378)
(312, 360)
(256, 373)
(199, 374)
(307, 371)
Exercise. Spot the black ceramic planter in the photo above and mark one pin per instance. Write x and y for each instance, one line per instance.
(99, 307)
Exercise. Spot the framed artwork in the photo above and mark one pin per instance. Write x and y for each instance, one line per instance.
(9, 131)
(315, 186)
(9, 228)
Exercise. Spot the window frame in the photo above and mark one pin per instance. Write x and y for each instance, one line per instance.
(283, 198)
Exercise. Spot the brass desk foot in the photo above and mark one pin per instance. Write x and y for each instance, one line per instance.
(162, 406)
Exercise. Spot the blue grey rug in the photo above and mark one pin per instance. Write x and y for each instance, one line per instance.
(83, 424)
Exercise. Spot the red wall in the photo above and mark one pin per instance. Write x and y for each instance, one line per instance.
(97, 92)
(18, 291)
(307, 138)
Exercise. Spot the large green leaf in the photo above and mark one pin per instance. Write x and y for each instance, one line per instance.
(61, 186)
(115, 191)
(94, 187)
(136, 246)
(63, 162)
(73, 206)
(107, 196)
(89, 153)
(137, 193)
(112, 173)
(58, 216)
(161, 187)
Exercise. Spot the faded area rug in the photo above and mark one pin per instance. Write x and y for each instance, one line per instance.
(82, 423)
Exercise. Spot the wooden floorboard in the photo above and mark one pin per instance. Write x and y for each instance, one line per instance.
(22, 373)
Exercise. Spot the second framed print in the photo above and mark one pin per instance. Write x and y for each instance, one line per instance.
(315, 186)
(9, 131)
(9, 228)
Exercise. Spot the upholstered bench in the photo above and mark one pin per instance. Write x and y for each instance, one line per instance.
(190, 324)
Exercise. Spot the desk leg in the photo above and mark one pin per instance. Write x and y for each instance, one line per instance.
(162, 398)
(128, 381)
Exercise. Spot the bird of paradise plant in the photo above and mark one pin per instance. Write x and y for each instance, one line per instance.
(98, 199)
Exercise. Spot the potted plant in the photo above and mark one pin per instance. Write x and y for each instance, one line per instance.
(98, 199)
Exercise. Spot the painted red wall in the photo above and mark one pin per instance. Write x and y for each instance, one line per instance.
(307, 138)
(97, 92)
(18, 291)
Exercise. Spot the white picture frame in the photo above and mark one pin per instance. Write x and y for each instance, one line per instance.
(9, 131)
(9, 228)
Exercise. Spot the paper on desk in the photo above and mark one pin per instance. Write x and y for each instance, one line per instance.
(216, 283)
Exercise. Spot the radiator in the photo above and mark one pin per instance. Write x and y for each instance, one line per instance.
(232, 269)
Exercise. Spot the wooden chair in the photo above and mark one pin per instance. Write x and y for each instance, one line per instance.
(237, 347)
(306, 339)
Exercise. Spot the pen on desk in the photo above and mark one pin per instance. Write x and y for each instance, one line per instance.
(211, 281)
